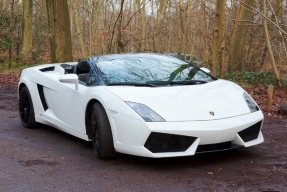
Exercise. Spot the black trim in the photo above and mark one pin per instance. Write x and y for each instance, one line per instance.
(251, 133)
(69, 69)
(42, 97)
(47, 69)
(163, 142)
(216, 147)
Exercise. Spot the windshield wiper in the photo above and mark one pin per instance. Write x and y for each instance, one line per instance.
(187, 82)
(132, 84)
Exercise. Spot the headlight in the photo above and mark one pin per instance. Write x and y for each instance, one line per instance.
(145, 112)
(251, 104)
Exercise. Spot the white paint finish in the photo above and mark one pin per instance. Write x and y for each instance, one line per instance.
(67, 106)
(70, 78)
(186, 109)
(190, 102)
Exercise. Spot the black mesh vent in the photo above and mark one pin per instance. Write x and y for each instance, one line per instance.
(251, 132)
(47, 69)
(162, 142)
(214, 147)
(42, 97)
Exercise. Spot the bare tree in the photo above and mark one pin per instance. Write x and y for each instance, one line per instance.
(239, 34)
(273, 64)
(218, 33)
(79, 32)
(27, 30)
(60, 32)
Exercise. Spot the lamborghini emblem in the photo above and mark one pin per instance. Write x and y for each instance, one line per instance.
(211, 113)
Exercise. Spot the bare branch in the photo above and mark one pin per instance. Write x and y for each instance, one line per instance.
(265, 17)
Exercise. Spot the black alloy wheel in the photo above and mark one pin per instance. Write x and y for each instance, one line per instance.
(101, 133)
(26, 109)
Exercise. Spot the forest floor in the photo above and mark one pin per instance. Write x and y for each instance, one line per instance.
(45, 159)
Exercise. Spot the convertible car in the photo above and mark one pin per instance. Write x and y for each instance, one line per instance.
(147, 105)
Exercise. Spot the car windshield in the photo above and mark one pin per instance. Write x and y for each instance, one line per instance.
(148, 69)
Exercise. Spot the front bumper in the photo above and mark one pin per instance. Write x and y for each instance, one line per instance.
(131, 135)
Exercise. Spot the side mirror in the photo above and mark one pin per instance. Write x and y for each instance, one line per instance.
(205, 70)
(70, 78)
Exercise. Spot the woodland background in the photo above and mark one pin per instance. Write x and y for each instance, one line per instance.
(230, 37)
(239, 40)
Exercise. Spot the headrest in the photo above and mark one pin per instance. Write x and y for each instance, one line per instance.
(83, 67)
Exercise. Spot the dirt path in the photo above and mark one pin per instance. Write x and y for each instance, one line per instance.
(45, 159)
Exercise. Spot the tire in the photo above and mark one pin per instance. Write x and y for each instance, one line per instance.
(101, 133)
(26, 109)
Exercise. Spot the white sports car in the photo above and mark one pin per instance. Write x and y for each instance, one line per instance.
(147, 105)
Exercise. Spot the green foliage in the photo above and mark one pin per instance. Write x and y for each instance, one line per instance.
(15, 67)
(10, 34)
(261, 78)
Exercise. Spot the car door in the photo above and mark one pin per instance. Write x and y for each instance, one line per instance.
(65, 104)
(68, 104)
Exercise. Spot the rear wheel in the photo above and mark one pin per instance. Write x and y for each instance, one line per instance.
(102, 133)
(26, 109)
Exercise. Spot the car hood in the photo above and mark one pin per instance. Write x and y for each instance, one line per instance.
(215, 100)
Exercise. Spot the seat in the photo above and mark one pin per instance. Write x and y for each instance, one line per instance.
(83, 77)
(82, 67)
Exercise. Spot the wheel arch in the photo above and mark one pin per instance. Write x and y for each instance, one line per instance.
(30, 87)
(88, 117)
(31, 121)
(21, 86)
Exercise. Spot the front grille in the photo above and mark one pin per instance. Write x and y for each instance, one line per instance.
(162, 142)
(251, 132)
(214, 147)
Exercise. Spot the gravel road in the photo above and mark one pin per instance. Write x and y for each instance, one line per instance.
(45, 159)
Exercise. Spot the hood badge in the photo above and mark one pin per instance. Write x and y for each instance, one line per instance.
(211, 113)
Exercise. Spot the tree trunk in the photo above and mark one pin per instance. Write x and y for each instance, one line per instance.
(206, 33)
(191, 32)
(120, 43)
(118, 25)
(60, 32)
(274, 68)
(239, 36)
(101, 11)
(90, 15)
(217, 35)
(278, 11)
(158, 43)
(51, 15)
(79, 32)
(143, 27)
(222, 47)
(11, 35)
(27, 30)
(182, 26)
(169, 28)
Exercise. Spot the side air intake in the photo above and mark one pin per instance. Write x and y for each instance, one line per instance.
(251, 132)
(162, 142)
(42, 97)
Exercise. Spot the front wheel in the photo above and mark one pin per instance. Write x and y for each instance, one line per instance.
(26, 109)
(102, 133)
